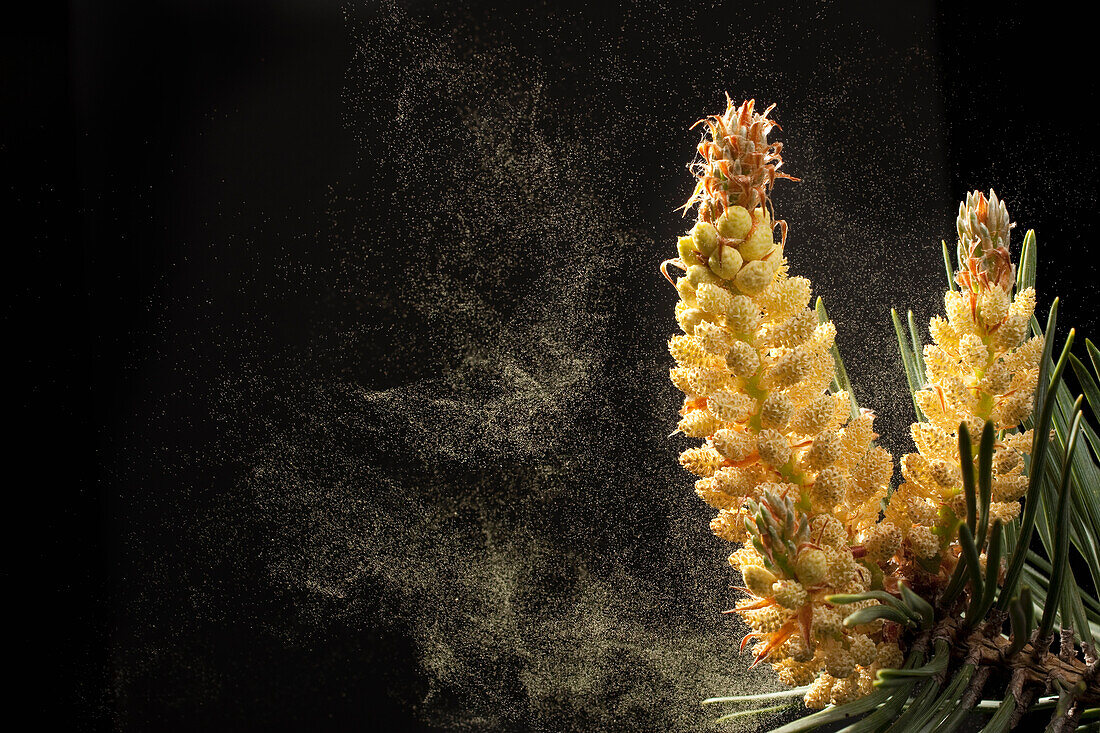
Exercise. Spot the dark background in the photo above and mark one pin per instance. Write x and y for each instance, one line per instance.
(341, 391)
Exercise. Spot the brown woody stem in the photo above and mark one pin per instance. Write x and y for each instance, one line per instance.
(1032, 670)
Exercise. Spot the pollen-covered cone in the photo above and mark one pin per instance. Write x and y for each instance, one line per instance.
(980, 367)
(795, 477)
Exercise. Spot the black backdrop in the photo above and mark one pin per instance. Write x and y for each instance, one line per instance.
(343, 390)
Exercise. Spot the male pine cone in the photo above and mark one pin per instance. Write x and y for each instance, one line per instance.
(791, 468)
